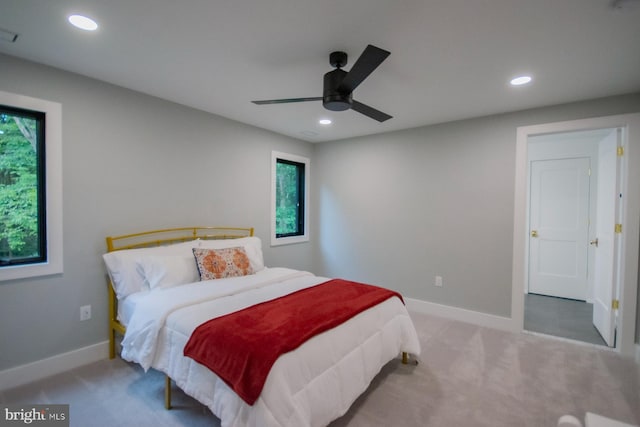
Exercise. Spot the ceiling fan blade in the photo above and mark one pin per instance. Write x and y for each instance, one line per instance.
(370, 111)
(365, 64)
(285, 101)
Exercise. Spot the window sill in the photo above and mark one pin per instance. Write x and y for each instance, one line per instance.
(281, 241)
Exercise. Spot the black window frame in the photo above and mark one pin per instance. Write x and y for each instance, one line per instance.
(300, 183)
(41, 174)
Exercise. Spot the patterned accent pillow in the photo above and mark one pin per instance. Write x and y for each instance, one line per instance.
(222, 263)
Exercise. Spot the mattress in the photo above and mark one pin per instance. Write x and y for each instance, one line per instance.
(310, 386)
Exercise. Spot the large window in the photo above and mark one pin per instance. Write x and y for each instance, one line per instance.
(30, 187)
(289, 199)
(23, 236)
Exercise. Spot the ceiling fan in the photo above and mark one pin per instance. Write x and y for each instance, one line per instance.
(337, 94)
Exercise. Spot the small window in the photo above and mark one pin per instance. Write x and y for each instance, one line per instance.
(23, 236)
(30, 187)
(289, 199)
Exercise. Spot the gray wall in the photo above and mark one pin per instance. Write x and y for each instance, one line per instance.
(393, 209)
(131, 162)
(400, 208)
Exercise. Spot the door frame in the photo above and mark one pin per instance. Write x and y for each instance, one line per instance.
(630, 236)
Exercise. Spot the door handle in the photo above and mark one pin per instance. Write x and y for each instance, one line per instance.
(594, 242)
(534, 233)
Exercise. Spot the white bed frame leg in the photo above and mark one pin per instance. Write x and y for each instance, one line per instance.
(167, 392)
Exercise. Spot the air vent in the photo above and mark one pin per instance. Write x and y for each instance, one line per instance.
(8, 36)
(624, 4)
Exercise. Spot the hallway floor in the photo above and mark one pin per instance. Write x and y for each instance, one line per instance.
(560, 317)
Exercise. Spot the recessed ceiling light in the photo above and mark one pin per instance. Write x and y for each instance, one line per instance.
(521, 80)
(324, 121)
(83, 22)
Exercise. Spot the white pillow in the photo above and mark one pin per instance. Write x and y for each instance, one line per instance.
(166, 271)
(252, 246)
(123, 270)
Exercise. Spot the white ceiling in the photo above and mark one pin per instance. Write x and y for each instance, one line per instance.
(450, 59)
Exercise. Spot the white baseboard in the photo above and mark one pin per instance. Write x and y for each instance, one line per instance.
(34, 371)
(461, 314)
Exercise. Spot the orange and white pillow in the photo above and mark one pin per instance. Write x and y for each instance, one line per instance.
(222, 263)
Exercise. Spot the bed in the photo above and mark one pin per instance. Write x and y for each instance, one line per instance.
(158, 303)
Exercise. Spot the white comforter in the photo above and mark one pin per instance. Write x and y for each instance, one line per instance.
(310, 386)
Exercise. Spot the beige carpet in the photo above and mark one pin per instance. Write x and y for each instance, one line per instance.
(468, 376)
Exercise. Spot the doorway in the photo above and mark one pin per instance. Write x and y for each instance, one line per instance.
(621, 306)
(570, 191)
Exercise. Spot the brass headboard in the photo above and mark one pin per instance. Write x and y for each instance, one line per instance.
(167, 236)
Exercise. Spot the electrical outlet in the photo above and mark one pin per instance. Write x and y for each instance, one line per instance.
(438, 281)
(85, 312)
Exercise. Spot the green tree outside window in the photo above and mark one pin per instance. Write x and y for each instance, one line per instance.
(289, 198)
(21, 220)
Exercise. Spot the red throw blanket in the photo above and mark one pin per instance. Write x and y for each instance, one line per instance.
(242, 346)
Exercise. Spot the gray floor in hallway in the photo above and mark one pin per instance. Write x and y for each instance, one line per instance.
(561, 317)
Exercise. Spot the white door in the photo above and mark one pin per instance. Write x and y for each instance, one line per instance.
(603, 314)
(559, 227)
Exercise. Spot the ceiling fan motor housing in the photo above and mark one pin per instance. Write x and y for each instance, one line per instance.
(332, 99)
